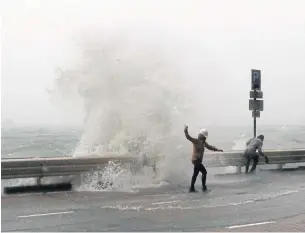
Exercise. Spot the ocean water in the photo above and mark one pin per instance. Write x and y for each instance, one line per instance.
(48, 142)
(38, 142)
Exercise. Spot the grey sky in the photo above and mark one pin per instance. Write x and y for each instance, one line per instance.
(224, 40)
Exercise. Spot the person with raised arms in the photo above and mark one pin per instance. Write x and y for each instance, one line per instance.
(199, 145)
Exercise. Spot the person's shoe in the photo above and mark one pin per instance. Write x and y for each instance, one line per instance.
(206, 190)
(192, 190)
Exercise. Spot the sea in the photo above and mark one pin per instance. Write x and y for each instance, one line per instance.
(54, 142)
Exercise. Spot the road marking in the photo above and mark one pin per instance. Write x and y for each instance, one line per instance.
(251, 224)
(46, 214)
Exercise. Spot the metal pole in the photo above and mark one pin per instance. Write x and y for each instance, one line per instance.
(254, 118)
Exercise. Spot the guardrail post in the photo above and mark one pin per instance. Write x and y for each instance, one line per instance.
(38, 180)
(238, 169)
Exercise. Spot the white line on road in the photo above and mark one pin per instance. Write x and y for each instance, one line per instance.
(251, 224)
(46, 214)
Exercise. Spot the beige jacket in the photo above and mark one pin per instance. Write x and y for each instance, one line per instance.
(198, 147)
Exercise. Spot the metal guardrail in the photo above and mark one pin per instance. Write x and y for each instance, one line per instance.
(61, 166)
(67, 166)
(236, 158)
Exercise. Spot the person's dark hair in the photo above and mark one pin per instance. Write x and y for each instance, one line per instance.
(261, 137)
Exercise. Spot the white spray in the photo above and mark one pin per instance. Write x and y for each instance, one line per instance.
(135, 99)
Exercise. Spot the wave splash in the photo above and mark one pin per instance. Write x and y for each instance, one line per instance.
(134, 99)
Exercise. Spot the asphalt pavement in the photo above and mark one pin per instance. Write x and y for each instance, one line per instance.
(269, 201)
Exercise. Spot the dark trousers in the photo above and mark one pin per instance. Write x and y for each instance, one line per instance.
(254, 157)
(198, 167)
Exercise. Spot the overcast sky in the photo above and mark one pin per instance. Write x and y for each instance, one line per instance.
(237, 35)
